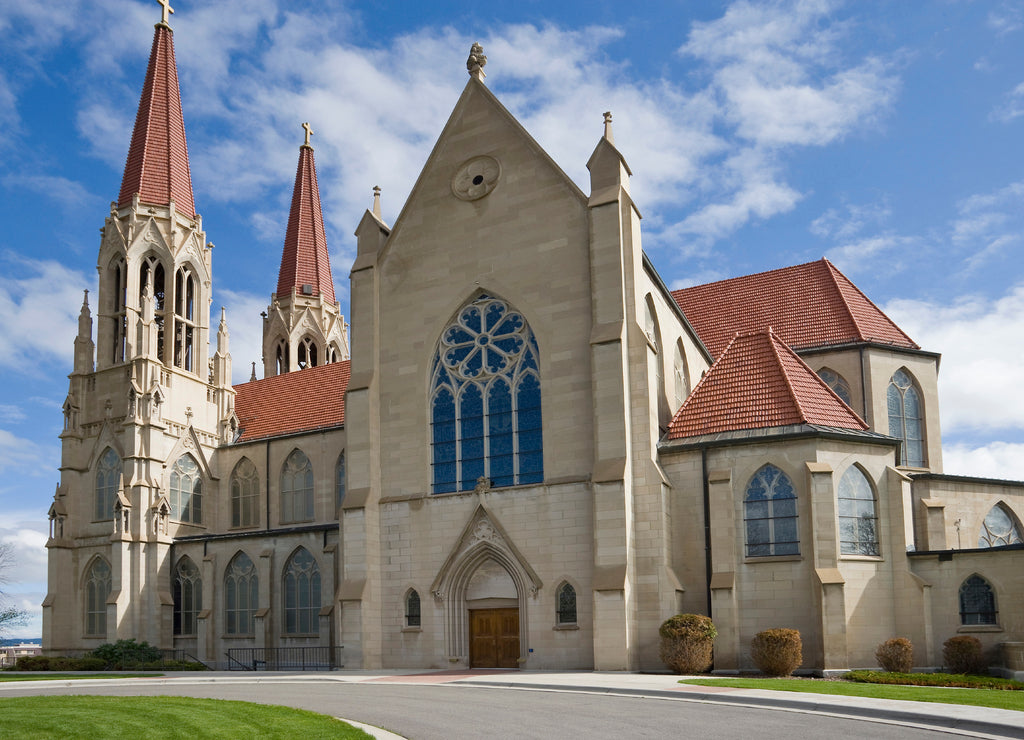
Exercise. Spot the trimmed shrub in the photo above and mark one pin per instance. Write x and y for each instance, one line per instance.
(686, 643)
(127, 653)
(777, 652)
(896, 655)
(59, 663)
(963, 654)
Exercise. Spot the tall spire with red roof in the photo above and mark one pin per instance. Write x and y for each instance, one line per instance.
(157, 169)
(305, 266)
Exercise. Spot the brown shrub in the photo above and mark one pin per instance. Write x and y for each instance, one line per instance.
(777, 652)
(686, 642)
(963, 654)
(896, 655)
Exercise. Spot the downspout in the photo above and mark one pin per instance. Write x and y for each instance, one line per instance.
(267, 458)
(864, 388)
(707, 524)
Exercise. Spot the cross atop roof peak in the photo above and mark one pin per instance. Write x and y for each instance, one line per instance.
(165, 6)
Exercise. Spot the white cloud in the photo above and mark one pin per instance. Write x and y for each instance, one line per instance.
(989, 224)
(27, 554)
(37, 330)
(245, 329)
(1006, 18)
(864, 255)
(1003, 460)
(982, 346)
(1012, 106)
(9, 413)
(850, 220)
(69, 194)
(17, 453)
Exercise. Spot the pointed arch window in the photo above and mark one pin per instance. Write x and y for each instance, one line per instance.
(681, 377)
(296, 488)
(241, 595)
(837, 383)
(770, 514)
(301, 594)
(307, 353)
(858, 520)
(184, 319)
(108, 481)
(118, 314)
(566, 604)
(413, 614)
(906, 418)
(977, 602)
(151, 275)
(186, 490)
(97, 589)
(339, 480)
(282, 358)
(245, 489)
(999, 528)
(485, 400)
(188, 596)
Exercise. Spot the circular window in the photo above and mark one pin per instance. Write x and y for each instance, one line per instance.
(476, 178)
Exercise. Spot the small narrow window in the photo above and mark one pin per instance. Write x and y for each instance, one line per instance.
(151, 275)
(999, 528)
(188, 597)
(906, 418)
(837, 383)
(412, 609)
(184, 324)
(858, 522)
(307, 353)
(977, 602)
(282, 358)
(566, 604)
(97, 589)
(682, 382)
(339, 481)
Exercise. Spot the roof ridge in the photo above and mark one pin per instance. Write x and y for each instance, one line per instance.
(835, 273)
(773, 342)
(832, 270)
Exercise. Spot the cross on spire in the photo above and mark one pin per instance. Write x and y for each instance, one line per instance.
(309, 132)
(166, 9)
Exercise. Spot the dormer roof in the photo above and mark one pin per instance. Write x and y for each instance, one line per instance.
(305, 266)
(157, 168)
(758, 382)
(809, 305)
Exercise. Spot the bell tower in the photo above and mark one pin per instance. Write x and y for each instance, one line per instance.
(303, 326)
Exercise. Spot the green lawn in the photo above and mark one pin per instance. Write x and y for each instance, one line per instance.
(97, 717)
(975, 697)
(46, 676)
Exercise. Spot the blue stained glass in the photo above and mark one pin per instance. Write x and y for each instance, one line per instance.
(444, 441)
(499, 422)
(471, 407)
(509, 345)
(757, 510)
(473, 365)
(758, 532)
(456, 355)
(496, 361)
(471, 319)
(770, 514)
(512, 323)
(784, 507)
(494, 313)
(756, 491)
(458, 335)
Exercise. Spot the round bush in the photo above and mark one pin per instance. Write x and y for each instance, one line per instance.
(777, 652)
(896, 655)
(686, 642)
(963, 654)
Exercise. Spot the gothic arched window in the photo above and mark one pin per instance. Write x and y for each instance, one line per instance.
(770, 515)
(297, 488)
(339, 480)
(858, 522)
(119, 320)
(151, 275)
(301, 594)
(282, 357)
(837, 383)
(413, 614)
(186, 490)
(97, 589)
(999, 528)
(485, 400)
(108, 481)
(977, 601)
(681, 386)
(906, 418)
(307, 353)
(185, 299)
(245, 488)
(188, 596)
(566, 595)
(241, 595)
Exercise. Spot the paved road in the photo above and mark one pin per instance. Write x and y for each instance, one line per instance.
(453, 712)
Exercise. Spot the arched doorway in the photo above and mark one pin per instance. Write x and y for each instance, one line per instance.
(492, 601)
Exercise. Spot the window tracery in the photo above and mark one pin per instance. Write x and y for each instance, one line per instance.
(184, 318)
(977, 601)
(245, 486)
(296, 488)
(188, 597)
(151, 275)
(97, 589)
(566, 604)
(108, 481)
(301, 594)
(413, 612)
(770, 514)
(837, 383)
(906, 418)
(858, 521)
(999, 528)
(186, 490)
(241, 595)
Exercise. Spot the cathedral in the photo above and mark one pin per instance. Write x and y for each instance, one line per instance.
(524, 452)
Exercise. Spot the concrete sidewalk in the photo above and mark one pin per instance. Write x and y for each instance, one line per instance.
(979, 721)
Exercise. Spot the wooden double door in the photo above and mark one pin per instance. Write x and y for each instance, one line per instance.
(494, 638)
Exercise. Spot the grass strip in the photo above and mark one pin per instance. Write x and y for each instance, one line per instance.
(955, 680)
(161, 717)
(972, 697)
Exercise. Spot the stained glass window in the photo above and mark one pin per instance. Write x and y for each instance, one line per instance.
(977, 601)
(108, 480)
(770, 515)
(906, 418)
(301, 594)
(999, 529)
(413, 617)
(186, 490)
(837, 383)
(485, 400)
(188, 597)
(97, 589)
(296, 488)
(566, 604)
(858, 522)
(241, 595)
(245, 488)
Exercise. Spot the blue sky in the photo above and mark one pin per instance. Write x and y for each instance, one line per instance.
(883, 135)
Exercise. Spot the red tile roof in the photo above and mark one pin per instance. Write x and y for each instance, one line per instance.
(809, 305)
(304, 260)
(759, 382)
(157, 167)
(299, 401)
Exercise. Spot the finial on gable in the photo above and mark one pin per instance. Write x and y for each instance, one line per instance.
(166, 9)
(476, 62)
(309, 132)
(608, 127)
(376, 201)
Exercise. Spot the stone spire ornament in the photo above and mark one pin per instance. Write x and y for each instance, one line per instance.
(608, 127)
(309, 133)
(476, 62)
(376, 201)
(165, 6)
